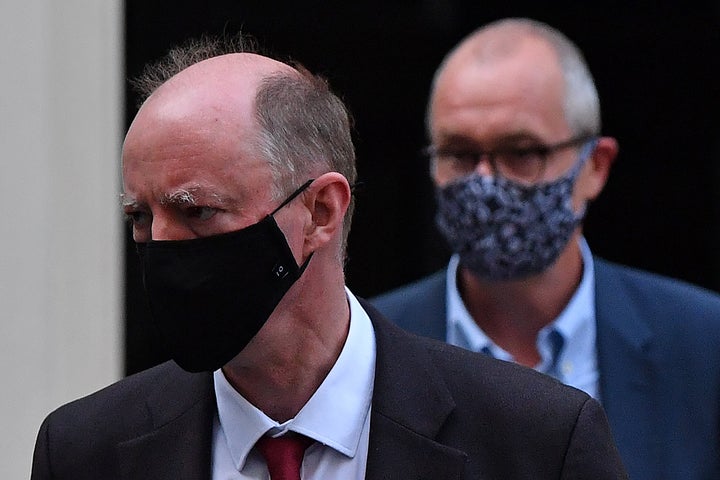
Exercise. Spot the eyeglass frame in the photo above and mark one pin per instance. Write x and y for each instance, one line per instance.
(542, 151)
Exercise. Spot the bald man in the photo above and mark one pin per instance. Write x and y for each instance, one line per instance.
(237, 173)
(517, 155)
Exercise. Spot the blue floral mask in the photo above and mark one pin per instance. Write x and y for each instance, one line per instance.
(504, 230)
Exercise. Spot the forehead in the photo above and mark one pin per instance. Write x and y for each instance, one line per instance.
(514, 88)
(197, 132)
(195, 169)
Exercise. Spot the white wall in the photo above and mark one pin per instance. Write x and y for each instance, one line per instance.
(60, 240)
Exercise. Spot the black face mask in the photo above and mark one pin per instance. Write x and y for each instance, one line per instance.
(210, 296)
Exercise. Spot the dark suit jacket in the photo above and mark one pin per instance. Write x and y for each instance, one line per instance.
(658, 344)
(438, 412)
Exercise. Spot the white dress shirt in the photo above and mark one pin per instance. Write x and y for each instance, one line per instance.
(566, 346)
(337, 416)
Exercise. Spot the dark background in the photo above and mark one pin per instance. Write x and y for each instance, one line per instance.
(655, 66)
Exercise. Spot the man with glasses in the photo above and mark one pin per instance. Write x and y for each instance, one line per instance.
(516, 155)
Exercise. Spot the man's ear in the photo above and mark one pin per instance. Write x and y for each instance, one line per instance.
(327, 199)
(597, 169)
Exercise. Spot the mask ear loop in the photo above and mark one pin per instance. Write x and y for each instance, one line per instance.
(357, 186)
(292, 196)
(586, 152)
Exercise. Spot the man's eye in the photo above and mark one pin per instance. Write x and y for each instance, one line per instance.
(527, 154)
(201, 213)
(459, 157)
(470, 158)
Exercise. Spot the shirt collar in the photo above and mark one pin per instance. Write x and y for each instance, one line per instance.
(579, 314)
(576, 363)
(575, 324)
(334, 415)
(461, 328)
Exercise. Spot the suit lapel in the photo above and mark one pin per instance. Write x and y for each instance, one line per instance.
(410, 405)
(180, 413)
(629, 375)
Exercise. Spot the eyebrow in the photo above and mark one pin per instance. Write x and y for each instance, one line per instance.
(504, 140)
(192, 195)
(128, 201)
(182, 196)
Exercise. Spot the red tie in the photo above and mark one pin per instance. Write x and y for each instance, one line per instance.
(284, 455)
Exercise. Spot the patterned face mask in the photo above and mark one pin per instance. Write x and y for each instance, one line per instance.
(505, 230)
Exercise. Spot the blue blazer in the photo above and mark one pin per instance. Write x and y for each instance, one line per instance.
(658, 344)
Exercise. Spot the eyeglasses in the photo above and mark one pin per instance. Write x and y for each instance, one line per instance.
(521, 164)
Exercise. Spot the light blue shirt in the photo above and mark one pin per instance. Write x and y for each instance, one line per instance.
(337, 416)
(566, 346)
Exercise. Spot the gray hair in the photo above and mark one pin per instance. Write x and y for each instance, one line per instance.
(581, 102)
(304, 129)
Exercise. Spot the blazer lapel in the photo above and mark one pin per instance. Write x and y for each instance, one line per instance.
(180, 433)
(410, 405)
(629, 375)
